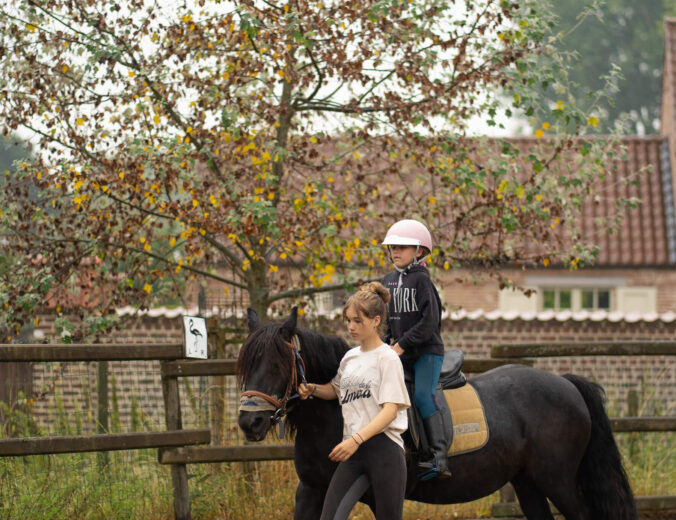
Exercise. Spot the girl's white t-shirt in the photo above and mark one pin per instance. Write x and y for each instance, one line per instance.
(367, 380)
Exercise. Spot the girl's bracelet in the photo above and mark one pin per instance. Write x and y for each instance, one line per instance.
(355, 441)
(314, 389)
(360, 438)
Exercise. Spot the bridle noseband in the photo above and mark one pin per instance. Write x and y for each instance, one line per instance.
(255, 401)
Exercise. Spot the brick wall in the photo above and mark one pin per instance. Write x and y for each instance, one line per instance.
(460, 290)
(653, 377)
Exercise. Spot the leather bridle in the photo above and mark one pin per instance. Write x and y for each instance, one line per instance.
(251, 398)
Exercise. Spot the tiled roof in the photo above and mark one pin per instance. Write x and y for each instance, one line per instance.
(669, 79)
(645, 236)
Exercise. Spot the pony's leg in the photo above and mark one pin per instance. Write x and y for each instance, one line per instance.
(565, 498)
(533, 502)
(309, 502)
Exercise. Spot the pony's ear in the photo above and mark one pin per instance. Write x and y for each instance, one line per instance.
(289, 326)
(251, 319)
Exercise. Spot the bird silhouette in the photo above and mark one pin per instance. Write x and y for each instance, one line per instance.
(195, 332)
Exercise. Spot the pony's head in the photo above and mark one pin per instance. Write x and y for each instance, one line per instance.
(271, 364)
(265, 373)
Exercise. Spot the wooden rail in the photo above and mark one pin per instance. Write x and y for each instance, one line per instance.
(654, 503)
(601, 348)
(226, 454)
(98, 352)
(225, 367)
(103, 442)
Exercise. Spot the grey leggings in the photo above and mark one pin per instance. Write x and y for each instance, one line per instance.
(379, 463)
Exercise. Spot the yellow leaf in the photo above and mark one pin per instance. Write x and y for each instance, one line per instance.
(148, 288)
(79, 121)
(121, 175)
(545, 262)
(30, 27)
(593, 121)
(64, 69)
(539, 133)
(545, 125)
(157, 119)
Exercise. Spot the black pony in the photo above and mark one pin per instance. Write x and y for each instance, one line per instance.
(549, 435)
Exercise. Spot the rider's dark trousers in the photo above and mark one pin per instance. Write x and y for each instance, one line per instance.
(379, 463)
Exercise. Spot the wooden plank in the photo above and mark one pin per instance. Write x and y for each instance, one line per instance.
(205, 367)
(601, 348)
(104, 442)
(92, 352)
(226, 367)
(655, 503)
(476, 365)
(643, 424)
(226, 454)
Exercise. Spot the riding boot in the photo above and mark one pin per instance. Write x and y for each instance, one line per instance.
(436, 438)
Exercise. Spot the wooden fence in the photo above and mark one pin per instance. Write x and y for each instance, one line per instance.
(177, 446)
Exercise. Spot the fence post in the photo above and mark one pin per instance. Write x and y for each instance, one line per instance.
(179, 473)
(632, 411)
(102, 422)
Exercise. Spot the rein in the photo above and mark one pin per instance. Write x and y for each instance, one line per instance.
(255, 401)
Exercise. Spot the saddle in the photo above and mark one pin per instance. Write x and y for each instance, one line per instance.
(461, 410)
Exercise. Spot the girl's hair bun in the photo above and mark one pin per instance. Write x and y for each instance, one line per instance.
(378, 289)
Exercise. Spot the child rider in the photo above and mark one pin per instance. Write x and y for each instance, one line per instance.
(414, 320)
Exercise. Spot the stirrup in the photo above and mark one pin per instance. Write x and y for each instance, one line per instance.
(429, 470)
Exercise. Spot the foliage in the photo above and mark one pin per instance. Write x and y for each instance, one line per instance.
(602, 35)
(266, 146)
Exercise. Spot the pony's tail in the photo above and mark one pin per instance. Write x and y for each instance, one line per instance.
(601, 478)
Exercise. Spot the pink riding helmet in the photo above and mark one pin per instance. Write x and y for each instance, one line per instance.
(409, 233)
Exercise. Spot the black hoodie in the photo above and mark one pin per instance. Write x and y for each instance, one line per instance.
(414, 314)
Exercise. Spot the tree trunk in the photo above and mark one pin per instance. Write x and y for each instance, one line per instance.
(258, 289)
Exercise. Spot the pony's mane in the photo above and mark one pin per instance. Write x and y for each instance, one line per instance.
(320, 353)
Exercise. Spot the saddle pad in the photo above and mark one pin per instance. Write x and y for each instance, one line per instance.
(470, 431)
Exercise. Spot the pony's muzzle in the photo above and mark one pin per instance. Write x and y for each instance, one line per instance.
(255, 425)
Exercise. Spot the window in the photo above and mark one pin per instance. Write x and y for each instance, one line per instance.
(595, 299)
(575, 299)
(557, 299)
(578, 293)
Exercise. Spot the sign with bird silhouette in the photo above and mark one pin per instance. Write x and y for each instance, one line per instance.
(195, 329)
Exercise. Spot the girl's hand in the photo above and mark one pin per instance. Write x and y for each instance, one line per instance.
(344, 450)
(306, 390)
(397, 349)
